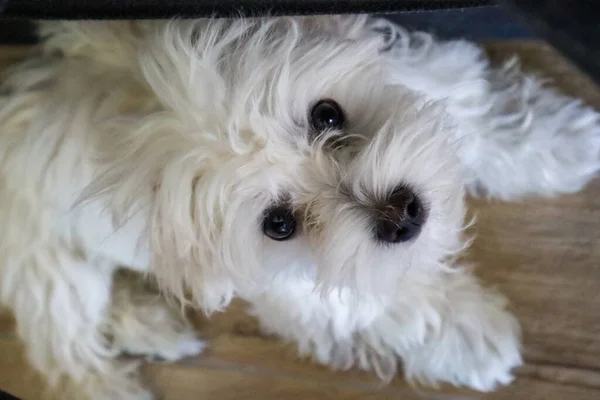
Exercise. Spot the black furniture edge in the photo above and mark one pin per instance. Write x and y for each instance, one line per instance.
(125, 9)
(7, 396)
(445, 20)
(571, 26)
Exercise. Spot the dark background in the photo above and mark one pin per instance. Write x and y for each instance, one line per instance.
(571, 26)
(473, 20)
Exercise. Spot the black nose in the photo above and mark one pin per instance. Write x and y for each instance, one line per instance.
(400, 219)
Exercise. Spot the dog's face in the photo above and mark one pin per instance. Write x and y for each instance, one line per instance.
(293, 158)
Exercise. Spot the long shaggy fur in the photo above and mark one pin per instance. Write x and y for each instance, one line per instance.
(158, 146)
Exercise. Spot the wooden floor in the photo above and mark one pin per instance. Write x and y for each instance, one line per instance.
(544, 254)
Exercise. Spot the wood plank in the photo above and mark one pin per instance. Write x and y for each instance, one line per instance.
(206, 379)
(11, 54)
(16, 377)
(531, 389)
(543, 254)
(7, 324)
(225, 382)
(563, 375)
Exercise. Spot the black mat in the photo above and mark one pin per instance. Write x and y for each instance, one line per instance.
(118, 9)
(6, 396)
(572, 26)
(487, 22)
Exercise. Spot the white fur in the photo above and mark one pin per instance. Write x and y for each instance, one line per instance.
(158, 145)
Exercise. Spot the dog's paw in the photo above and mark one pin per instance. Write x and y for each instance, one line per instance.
(164, 346)
(488, 356)
(478, 350)
(182, 349)
(155, 332)
(142, 323)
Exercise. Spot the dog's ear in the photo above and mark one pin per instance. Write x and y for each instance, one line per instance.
(180, 62)
(113, 43)
(166, 56)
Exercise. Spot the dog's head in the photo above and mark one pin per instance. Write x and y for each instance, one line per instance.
(280, 150)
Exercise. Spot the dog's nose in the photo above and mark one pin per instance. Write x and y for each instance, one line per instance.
(401, 218)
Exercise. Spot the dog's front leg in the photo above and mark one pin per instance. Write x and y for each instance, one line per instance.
(448, 328)
(59, 296)
(143, 322)
(443, 327)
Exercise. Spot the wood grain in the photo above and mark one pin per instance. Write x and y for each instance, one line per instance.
(16, 377)
(12, 54)
(544, 254)
(180, 382)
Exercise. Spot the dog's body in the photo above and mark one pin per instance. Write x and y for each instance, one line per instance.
(164, 147)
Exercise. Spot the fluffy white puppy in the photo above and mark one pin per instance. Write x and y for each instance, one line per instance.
(315, 167)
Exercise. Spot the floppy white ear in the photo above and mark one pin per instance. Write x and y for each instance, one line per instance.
(180, 62)
(515, 135)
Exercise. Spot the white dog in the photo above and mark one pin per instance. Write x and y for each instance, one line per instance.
(315, 167)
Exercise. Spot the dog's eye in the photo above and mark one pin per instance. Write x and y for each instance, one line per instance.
(279, 223)
(327, 114)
